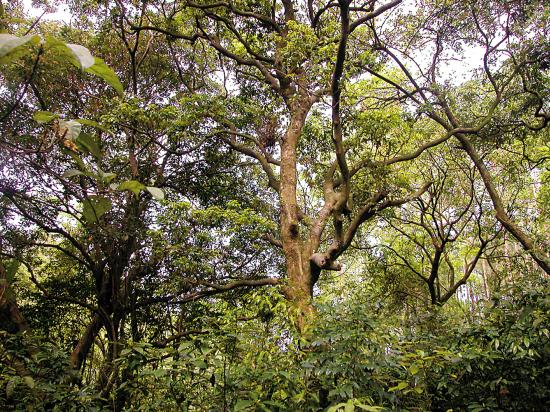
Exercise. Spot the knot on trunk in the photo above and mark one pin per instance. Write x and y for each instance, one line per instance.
(322, 261)
(294, 230)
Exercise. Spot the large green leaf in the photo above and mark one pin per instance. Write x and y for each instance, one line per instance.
(64, 53)
(77, 55)
(29, 381)
(101, 70)
(242, 404)
(400, 386)
(44, 117)
(106, 177)
(132, 185)
(81, 58)
(89, 144)
(81, 165)
(369, 408)
(94, 207)
(8, 44)
(72, 172)
(96, 125)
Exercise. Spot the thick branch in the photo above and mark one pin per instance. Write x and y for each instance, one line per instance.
(213, 290)
(336, 92)
(502, 216)
(174, 338)
(246, 150)
(373, 14)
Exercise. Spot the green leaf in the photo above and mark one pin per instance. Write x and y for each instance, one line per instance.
(132, 185)
(8, 44)
(125, 352)
(242, 404)
(107, 177)
(29, 381)
(81, 58)
(44, 117)
(87, 122)
(89, 144)
(369, 408)
(81, 165)
(72, 172)
(157, 373)
(349, 407)
(200, 364)
(82, 55)
(65, 53)
(76, 54)
(140, 350)
(418, 389)
(413, 369)
(400, 386)
(274, 403)
(94, 207)
(101, 70)
(156, 192)
(70, 129)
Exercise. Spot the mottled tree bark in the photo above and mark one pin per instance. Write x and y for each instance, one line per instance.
(295, 249)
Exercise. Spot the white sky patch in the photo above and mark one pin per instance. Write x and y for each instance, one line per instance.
(61, 14)
(460, 69)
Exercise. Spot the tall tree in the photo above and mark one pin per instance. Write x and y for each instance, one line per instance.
(287, 59)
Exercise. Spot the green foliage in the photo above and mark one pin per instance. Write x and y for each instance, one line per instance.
(47, 382)
(104, 72)
(94, 207)
(44, 117)
(164, 293)
(246, 360)
(11, 47)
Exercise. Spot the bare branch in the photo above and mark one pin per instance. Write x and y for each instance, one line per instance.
(373, 14)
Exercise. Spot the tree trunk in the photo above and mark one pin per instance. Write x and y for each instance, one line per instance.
(12, 319)
(296, 250)
(86, 341)
(485, 275)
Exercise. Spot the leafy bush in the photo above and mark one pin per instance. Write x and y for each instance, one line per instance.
(36, 376)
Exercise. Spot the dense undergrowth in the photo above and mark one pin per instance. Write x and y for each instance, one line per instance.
(356, 357)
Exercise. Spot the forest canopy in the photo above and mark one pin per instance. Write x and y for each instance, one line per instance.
(253, 205)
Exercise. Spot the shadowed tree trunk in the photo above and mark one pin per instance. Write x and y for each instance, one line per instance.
(12, 320)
